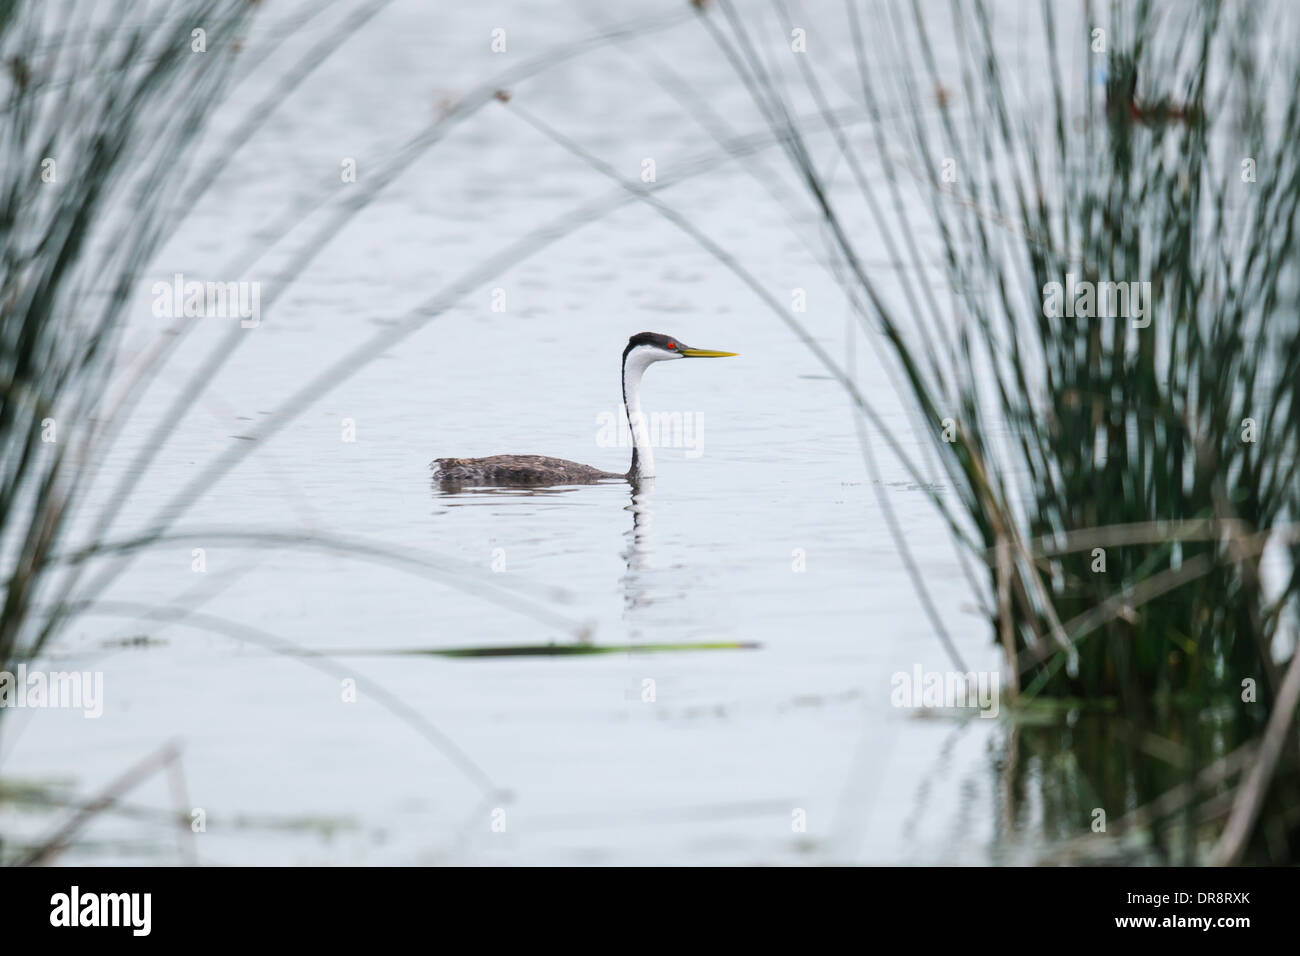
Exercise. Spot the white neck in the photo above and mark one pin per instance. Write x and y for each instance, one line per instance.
(643, 459)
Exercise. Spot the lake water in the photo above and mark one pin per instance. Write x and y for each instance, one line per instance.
(768, 531)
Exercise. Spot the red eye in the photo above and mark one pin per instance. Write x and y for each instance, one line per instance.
(672, 345)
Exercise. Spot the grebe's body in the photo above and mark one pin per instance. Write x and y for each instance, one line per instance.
(520, 470)
(642, 351)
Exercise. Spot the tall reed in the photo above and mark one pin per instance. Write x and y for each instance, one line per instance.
(100, 114)
(1121, 468)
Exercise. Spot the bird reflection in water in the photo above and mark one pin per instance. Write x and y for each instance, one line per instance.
(636, 584)
(636, 578)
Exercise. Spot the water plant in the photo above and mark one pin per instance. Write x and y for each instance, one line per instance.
(1108, 376)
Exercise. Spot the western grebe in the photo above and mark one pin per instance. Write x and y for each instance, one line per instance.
(643, 350)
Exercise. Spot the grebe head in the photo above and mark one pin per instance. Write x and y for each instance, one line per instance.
(645, 348)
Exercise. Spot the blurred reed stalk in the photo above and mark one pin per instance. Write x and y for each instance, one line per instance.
(124, 104)
(99, 113)
(118, 100)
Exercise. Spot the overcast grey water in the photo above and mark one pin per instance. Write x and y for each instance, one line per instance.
(762, 531)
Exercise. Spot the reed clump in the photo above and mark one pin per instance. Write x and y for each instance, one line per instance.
(99, 113)
(1125, 394)
(1109, 376)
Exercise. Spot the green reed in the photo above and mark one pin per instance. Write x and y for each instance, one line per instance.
(1120, 467)
(98, 118)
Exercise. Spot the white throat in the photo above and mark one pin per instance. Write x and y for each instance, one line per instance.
(637, 361)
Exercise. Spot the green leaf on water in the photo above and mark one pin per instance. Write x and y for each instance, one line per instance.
(565, 650)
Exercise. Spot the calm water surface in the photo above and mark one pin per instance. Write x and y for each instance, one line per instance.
(768, 533)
